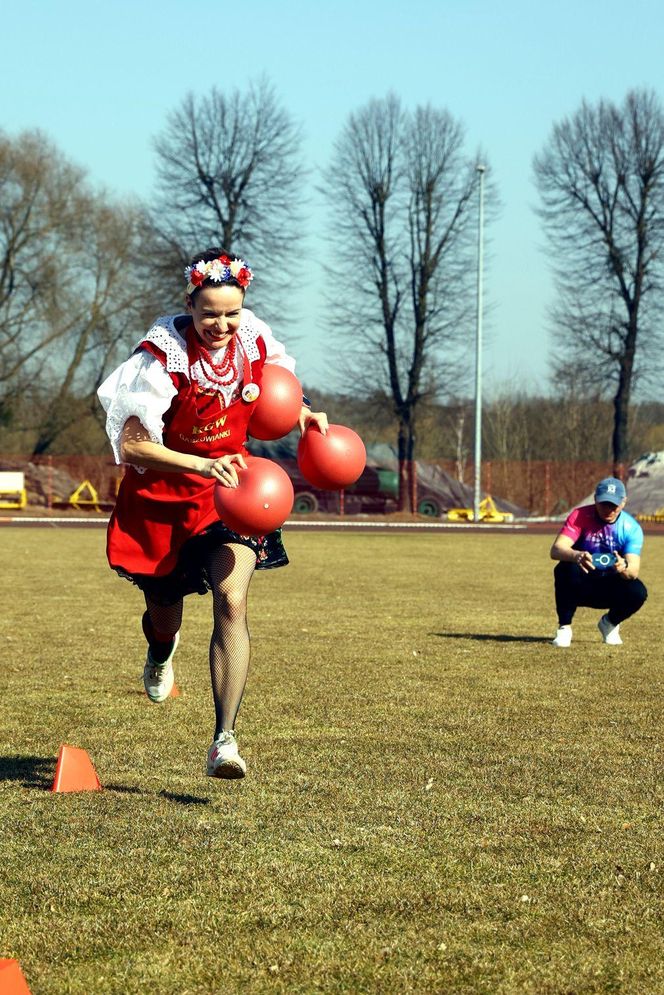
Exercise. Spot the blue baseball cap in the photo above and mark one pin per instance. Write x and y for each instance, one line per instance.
(612, 490)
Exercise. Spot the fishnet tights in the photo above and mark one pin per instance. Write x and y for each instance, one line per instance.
(230, 568)
(163, 621)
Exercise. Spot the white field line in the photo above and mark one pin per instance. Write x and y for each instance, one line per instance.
(508, 527)
(404, 525)
(23, 519)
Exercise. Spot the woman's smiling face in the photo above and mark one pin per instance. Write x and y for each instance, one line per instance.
(216, 312)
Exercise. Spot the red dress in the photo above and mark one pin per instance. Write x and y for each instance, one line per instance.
(156, 512)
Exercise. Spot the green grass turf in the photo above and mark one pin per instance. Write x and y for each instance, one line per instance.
(437, 800)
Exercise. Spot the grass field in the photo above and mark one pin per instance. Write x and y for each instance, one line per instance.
(437, 800)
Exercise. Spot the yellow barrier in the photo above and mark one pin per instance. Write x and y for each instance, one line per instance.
(77, 500)
(487, 513)
(12, 490)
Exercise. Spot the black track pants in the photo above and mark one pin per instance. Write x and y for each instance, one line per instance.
(596, 589)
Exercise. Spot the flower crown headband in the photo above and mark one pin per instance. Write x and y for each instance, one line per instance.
(219, 270)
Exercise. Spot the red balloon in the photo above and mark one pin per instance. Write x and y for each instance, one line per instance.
(260, 503)
(278, 406)
(332, 461)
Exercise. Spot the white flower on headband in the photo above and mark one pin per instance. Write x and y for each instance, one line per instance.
(217, 271)
(220, 270)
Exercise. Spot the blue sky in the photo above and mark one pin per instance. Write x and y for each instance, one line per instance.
(100, 79)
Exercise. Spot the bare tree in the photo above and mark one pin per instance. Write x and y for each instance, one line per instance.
(39, 200)
(508, 427)
(75, 291)
(108, 298)
(601, 182)
(229, 173)
(400, 190)
(455, 421)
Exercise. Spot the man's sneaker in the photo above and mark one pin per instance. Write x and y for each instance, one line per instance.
(224, 759)
(610, 632)
(563, 636)
(158, 678)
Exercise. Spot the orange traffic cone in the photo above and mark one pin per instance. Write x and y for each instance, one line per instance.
(74, 771)
(12, 981)
(175, 692)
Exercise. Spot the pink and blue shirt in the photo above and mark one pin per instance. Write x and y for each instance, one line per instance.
(589, 533)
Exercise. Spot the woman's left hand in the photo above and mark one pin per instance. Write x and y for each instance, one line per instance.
(309, 417)
(223, 469)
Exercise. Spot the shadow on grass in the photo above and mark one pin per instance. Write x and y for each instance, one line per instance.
(124, 789)
(38, 772)
(184, 799)
(490, 637)
(32, 772)
(140, 693)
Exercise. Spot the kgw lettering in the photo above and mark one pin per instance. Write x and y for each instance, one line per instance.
(210, 427)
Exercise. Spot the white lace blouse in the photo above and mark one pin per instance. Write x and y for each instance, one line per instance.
(141, 386)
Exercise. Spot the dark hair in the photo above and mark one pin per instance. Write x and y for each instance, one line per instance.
(206, 256)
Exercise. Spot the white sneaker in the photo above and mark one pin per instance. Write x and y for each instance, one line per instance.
(563, 636)
(223, 757)
(158, 678)
(610, 633)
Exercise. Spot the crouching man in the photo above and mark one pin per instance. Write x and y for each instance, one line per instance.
(599, 554)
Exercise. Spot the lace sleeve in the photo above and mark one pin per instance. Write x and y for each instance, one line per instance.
(141, 387)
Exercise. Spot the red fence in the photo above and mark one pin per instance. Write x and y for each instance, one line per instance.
(540, 487)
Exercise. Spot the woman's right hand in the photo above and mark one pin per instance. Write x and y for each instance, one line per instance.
(223, 469)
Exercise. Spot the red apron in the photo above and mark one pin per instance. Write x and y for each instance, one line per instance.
(156, 512)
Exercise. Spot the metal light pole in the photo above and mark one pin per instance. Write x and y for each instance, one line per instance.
(478, 352)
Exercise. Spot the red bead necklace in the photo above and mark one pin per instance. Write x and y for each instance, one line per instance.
(226, 372)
